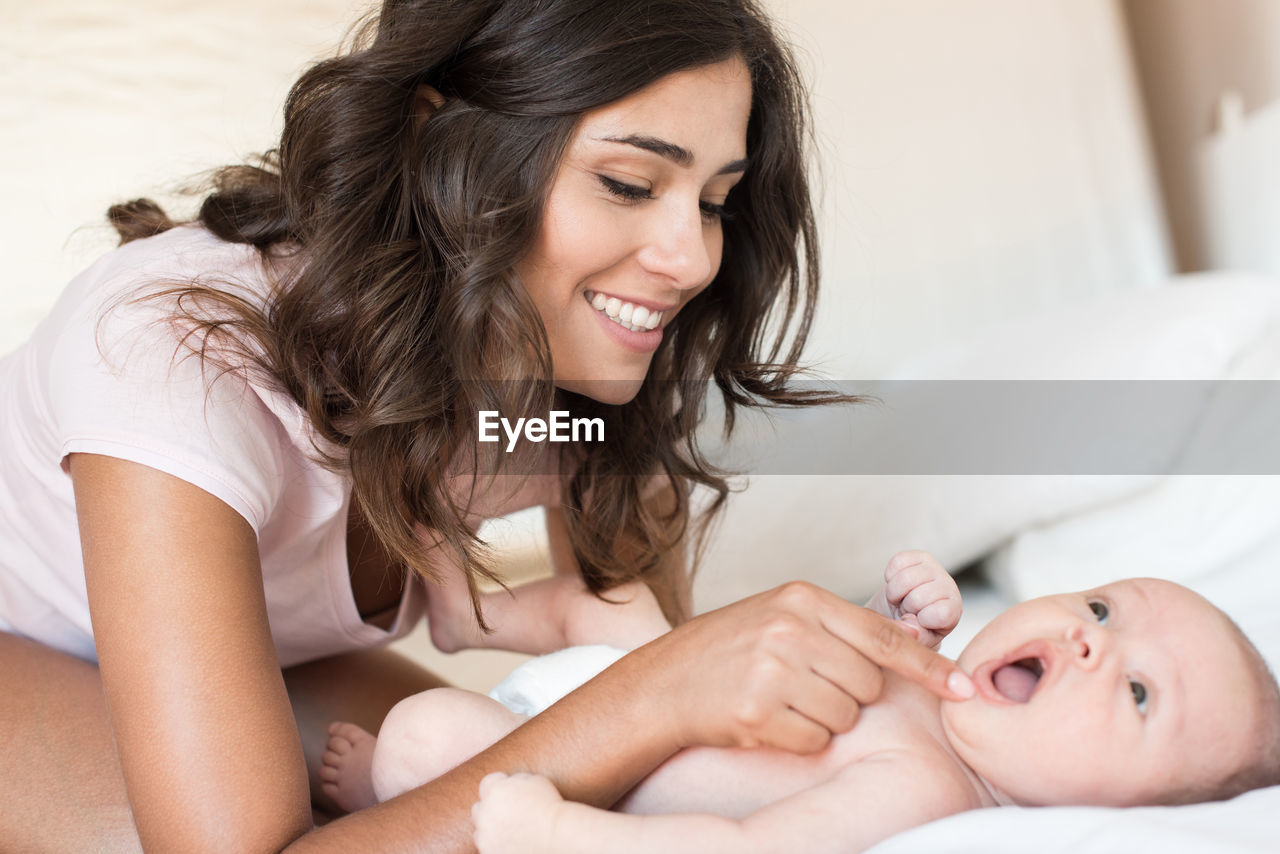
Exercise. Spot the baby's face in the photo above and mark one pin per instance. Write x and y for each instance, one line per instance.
(1111, 696)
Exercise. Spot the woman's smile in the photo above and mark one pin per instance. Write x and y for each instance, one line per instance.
(632, 325)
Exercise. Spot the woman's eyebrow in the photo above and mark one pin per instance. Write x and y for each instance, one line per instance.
(676, 154)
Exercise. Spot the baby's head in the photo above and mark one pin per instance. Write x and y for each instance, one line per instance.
(1138, 692)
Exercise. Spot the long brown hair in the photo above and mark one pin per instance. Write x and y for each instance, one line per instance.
(394, 330)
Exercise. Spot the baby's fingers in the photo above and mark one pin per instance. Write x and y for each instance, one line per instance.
(926, 595)
(942, 615)
(489, 782)
(904, 576)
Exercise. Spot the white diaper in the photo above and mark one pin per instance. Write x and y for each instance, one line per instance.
(541, 681)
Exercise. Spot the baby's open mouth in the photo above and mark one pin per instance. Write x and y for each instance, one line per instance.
(1017, 680)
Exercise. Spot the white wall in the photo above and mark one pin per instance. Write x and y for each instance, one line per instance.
(982, 158)
(1190, 54)
(107, 100)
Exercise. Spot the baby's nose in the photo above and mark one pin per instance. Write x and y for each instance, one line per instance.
(1079, 648)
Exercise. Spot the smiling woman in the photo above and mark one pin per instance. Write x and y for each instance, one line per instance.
(244, 447)
(533, 173)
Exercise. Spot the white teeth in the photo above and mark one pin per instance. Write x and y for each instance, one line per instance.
(628, 315)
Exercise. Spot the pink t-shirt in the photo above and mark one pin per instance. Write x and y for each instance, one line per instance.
(123, 388)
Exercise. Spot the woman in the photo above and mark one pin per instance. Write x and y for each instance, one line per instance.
(269, 415)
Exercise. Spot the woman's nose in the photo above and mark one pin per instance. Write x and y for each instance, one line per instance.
(677, 249)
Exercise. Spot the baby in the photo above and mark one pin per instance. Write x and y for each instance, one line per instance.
(1138, 692)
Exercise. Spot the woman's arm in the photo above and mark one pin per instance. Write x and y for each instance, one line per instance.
(549, 614)
(206, 739)
(541, 616)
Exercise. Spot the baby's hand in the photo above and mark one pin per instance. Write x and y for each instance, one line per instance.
(516, 814)
(920, 595)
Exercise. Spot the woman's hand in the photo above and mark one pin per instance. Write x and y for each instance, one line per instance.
(787, 668)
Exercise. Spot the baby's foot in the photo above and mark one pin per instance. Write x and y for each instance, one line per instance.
(346, 772)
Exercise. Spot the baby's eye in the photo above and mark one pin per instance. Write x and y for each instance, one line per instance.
(1139, 695)
(1099, 610)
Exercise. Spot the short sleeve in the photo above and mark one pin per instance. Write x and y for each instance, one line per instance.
(122, 384)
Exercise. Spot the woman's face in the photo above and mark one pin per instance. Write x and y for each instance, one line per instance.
(632, 227)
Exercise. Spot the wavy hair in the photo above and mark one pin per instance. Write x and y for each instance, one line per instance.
(403, 318)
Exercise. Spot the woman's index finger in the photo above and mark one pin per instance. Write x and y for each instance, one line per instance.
(892, 647)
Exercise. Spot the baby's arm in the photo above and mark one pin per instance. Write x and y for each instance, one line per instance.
(920, 595)
(862, 805)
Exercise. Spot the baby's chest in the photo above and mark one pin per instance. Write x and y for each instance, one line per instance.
(736, 783)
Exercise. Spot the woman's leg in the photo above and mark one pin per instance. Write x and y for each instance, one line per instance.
(61, 787)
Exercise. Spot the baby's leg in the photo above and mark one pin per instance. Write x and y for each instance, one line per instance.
(422, 737)
(430, 733)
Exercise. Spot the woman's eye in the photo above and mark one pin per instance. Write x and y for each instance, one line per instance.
(623, 190)
(1139, 695)
(713, 212)
(1099, 610)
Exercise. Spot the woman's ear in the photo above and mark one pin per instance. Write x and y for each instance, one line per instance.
(426, 100)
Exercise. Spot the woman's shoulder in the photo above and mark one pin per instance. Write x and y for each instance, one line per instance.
(187, 255)
(125, 287)
(120, 373)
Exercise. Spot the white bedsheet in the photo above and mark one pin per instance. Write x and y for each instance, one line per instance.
(1245, 825)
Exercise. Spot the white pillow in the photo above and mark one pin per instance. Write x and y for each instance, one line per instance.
(839, 530)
